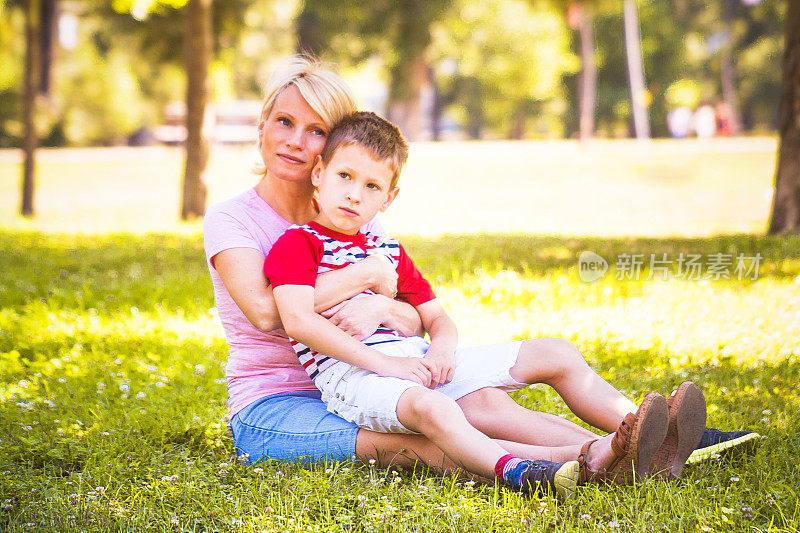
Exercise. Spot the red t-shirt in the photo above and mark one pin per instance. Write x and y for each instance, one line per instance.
(304, 252)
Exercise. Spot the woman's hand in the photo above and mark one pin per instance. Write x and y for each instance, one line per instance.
(410, 368)
(359, 317)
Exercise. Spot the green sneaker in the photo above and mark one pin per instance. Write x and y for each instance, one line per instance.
(716, 442)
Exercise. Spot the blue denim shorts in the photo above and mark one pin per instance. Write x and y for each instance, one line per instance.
(293, 426)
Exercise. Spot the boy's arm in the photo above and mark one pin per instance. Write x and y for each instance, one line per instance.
(440, 358)
(241, 272)
(296, 306)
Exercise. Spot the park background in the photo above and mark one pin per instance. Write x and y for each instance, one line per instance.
(529, 146)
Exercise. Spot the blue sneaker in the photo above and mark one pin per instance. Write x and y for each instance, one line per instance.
(544, 476)
(719, 442)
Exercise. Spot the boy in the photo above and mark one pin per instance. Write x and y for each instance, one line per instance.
(381, 383)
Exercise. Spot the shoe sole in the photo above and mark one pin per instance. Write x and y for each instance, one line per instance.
(690, 421)
(743, 444)
(649, 434)
(566, 479)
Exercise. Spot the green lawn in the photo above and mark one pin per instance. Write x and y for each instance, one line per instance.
(112, 392)
(608, 188)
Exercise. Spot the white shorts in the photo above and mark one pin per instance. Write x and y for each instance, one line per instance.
(370, 400)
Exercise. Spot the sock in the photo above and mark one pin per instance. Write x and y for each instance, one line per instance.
(509, 468)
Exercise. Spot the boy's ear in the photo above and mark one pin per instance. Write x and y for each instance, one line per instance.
(316, 170)
(390, 198)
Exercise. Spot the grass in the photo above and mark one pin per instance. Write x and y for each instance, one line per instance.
(609, 188)
(112, 393)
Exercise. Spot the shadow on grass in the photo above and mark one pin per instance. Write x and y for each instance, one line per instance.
(118, 272)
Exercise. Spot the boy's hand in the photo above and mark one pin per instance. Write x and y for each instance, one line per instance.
(442, 365)
(384, 275)
(410, 368)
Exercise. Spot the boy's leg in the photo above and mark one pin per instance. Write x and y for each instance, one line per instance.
(443, 422)
(559, 364)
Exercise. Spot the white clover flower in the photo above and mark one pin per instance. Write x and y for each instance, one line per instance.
(258, 470)
(372, 461)
(27, 428)
(199, 370)
(124, 387)
(766, 412)
(118, 361)
(62, 380)
(105, 433)
(734, 479)
(141, 395)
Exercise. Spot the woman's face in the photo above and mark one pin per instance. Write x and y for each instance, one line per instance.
(292, 137)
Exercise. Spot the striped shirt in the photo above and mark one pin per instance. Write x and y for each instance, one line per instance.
(304, 252)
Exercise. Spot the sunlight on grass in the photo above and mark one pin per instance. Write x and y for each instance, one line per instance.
(113, 390)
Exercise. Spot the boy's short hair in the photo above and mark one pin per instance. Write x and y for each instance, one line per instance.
(364, 128)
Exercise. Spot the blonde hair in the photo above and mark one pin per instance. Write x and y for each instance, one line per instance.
(323, 90)
(379, 136)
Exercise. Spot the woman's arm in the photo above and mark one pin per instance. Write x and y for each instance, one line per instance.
(302, 323)
(241, 271)
(360, 317)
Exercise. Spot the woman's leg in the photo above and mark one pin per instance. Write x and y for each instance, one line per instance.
(559, 364)
(496, 414)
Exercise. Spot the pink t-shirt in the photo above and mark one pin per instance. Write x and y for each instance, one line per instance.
(259, 364)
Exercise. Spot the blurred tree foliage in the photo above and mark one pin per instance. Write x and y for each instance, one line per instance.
(499, 68)
(501, 65)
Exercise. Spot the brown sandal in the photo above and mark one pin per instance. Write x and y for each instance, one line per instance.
(636, 440)
(687, 420)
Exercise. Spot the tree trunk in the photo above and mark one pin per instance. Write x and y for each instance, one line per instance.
(727, 71)
(406, 109)
(198, 42)
(47, 35)
(587, 79)
(633, 51)
(785, 216)
(308, 30)
(32, 63)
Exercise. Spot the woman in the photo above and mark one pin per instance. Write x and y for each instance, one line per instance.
(275, 409)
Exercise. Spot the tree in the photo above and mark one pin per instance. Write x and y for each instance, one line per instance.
(580, 18)
(633, 51)
(197, 49)
(198, 45)
(785, 216)
(33, 13)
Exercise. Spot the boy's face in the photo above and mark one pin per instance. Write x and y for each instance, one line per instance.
(353, 187)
